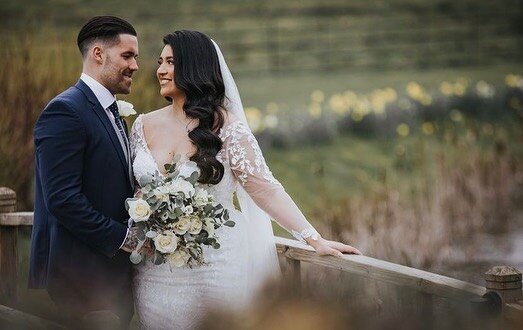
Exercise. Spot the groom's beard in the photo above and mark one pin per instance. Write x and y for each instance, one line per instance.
(117, 81)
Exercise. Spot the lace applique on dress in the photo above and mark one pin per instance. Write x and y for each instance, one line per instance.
(306, 233)
(239, 143)
(137, 140)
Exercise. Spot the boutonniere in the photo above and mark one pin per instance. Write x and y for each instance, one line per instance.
(125, 109)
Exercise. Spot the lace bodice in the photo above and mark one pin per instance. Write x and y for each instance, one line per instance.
(244, 165)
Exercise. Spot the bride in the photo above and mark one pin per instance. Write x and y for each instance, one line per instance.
(205, 123)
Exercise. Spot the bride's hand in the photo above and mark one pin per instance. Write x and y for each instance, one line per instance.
(326, 247)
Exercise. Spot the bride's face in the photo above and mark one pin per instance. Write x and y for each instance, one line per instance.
(165, 74)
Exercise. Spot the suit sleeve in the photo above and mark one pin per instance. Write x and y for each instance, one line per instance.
(60, 141)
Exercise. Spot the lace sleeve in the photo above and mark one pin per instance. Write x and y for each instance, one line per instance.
(136, 139)
(248, 165)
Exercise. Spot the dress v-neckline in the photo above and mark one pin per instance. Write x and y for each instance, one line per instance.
(183, 159)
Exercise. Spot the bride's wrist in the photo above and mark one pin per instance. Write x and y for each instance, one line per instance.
(314, 241)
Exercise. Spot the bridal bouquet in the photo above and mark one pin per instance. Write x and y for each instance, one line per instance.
(177, 216)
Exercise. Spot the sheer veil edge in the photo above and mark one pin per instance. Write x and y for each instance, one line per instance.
(262, 262)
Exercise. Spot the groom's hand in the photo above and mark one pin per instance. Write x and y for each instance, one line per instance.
(131, 241)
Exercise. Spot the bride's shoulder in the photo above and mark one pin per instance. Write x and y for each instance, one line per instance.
(230, 119)
(153, 116)
(233, 126)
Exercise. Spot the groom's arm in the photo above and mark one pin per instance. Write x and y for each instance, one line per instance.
(60, 140)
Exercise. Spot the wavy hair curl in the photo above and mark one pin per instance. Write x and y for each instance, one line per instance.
(198, 75)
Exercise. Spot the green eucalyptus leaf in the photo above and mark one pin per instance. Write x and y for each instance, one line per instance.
(229, 223)
(178, 212)
(178, 202)
(172, 214)
(200, 240)
(140, 234)
(158, 258)
(154, 207)
(141, 225)
(193, 254)
(135, 257)
(151, 234)
(193, 178)
(145, 180)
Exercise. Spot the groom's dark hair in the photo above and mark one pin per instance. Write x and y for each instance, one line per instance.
(103, 28)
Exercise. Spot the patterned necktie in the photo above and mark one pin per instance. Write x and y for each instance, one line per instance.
(114, 110)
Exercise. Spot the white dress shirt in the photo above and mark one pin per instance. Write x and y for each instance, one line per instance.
(106, 99)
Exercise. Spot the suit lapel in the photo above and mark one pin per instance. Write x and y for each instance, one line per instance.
(100, 112)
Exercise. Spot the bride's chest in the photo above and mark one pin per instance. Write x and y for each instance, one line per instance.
(165, 150)
(144, 164)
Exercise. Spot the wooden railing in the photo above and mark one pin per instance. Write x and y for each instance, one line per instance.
(502, 290)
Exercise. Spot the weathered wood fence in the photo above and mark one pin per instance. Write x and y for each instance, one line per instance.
(502, 293)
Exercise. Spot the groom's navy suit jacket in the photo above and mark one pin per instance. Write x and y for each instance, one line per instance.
(80, 220)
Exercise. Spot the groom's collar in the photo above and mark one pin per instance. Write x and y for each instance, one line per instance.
(101, 93)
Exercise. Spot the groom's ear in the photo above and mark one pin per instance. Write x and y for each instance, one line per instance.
(97, 53)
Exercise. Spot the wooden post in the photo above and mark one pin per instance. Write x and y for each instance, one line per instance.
(504, 281)
(291, 269)
(503, 284)
(426, 304)
(294, 273)
(8, 249)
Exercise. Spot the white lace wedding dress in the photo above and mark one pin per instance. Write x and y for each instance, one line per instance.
(177, 298)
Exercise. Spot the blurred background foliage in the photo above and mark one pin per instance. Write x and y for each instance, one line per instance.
(395, 125)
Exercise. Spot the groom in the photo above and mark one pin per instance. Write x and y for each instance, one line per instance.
(83, 176)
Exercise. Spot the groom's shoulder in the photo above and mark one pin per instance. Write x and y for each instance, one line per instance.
(72, 98)
(66, 106)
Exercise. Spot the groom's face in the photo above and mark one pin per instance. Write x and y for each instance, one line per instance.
(119, 64)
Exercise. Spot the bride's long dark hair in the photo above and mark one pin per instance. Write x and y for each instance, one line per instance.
(198, 75)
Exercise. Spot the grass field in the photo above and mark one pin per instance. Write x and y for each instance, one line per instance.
(294, 90)
(270, 36)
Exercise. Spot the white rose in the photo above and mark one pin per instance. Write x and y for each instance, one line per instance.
(196, 226)
(139, 210)
(179, 258)
(209, 226)
(162, 193)
(188, 168)
(166, 242)
(180, 185)
(125, 108)
(201, 197)
(183, 224)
